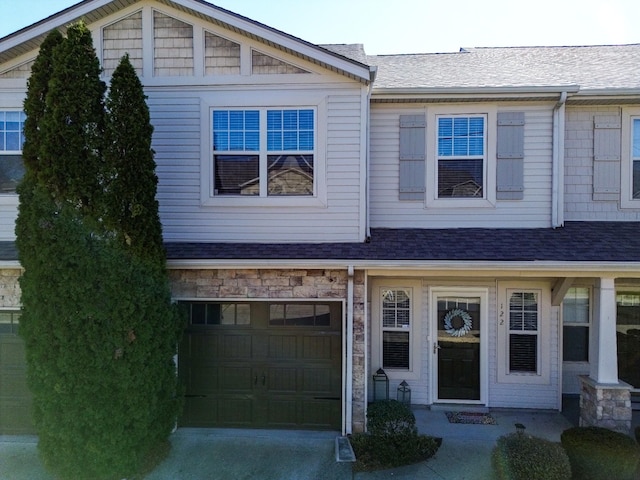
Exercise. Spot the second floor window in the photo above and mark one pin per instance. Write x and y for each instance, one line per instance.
(635, 157)
(264, 152)
(461, 156)
(11, 141)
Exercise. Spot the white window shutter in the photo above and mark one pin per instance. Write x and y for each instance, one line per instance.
(412, 157)
(606, 157)
(510, 153)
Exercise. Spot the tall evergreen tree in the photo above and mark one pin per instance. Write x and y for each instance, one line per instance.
(131, 208)
(98, 323)
(73, 126)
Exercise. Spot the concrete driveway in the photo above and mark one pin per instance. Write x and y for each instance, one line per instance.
(233, 454)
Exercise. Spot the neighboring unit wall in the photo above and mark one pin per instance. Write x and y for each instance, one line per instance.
(533, 210)
(593, 177)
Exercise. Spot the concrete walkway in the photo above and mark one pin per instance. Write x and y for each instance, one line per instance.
(231, 454)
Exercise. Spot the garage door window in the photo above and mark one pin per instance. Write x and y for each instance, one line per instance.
(9, 322)
(299, 315)
(214, 313)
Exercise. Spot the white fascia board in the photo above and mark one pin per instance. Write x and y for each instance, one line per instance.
(564, 269)
(56, 20)
(277, 37)
(465, 92)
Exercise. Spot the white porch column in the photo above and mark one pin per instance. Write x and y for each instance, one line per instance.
(604, 353)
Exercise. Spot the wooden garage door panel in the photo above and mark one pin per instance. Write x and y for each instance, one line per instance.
(282, 379)
(15, 397)
(237, 378)
(283, 346)
(236, 347)
(318, 348)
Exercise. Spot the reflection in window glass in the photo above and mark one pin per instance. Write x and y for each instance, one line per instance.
(214, 313)
(628, 335)
(299, 315)
(575, 319)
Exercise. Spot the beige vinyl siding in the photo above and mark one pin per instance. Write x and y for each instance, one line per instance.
(578, 178)
(265, 64)
(120, 38)
(388, 211)
(21, 71)
(173, 46)
(177, 142)
(221, 56)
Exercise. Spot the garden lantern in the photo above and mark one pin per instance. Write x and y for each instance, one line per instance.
(380, 386)
(404, 393)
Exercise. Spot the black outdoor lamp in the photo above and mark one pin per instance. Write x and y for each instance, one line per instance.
(380, 386)
(404, 393)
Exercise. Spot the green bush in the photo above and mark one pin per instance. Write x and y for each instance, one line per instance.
(376, 452)
(523, 457)
(392, 439)
(390, 418)
(597, 453)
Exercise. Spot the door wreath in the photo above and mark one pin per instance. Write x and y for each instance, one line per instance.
(463, 315)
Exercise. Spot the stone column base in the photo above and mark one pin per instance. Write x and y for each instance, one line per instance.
(605, 405)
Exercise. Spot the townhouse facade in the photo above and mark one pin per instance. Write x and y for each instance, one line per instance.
(466, 222)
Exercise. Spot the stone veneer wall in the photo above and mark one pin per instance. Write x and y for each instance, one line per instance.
(263, 284)
(10, 288)
(607, 406)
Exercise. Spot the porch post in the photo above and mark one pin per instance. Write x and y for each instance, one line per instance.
(604, 357)
(604, 400)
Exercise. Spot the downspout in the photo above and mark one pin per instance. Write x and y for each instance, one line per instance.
(348, 417)
(367, 194)
(557, 181)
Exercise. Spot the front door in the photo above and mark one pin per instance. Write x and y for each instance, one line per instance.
(457, 346)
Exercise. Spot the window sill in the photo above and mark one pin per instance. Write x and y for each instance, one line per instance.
(525, 378)
(460, 203)
(264, 202)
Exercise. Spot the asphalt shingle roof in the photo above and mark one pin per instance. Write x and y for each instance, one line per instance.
(575, 242)
(590, 67)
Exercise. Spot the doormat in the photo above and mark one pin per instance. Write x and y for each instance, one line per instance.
(471, 417)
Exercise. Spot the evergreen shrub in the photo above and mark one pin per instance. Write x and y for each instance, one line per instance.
(598, 453)
(524, 457)
(392, 439)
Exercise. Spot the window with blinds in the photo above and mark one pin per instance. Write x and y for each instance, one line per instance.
(635, 157)
(11, 141)
(576, 317)
(396, 328)
(524, 322)
(264, 152)
(461, 156)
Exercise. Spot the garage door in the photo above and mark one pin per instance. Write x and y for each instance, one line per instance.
(262, 365)
(15, 398)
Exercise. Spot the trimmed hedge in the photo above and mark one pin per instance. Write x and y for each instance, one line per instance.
(392, 440)
(390, 418)
(524, 457)
(596, 453)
